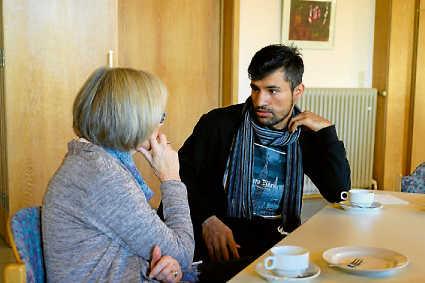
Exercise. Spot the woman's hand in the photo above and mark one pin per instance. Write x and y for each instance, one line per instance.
(162, 158)
(164, 268)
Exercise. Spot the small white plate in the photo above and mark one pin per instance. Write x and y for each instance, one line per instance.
(375, 206)
(375, 261)
(311, 272)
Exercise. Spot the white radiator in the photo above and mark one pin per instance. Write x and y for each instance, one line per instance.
(353, 111)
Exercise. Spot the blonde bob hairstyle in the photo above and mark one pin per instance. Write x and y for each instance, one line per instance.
(119, 107)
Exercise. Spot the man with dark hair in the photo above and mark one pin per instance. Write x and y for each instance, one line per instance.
(244, 164)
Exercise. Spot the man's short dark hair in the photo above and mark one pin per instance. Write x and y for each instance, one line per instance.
(273, 57)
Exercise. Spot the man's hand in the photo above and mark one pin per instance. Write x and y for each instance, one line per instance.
(164, 268)
(310, 120)
(219, 240)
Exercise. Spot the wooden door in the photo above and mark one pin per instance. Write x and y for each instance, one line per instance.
(418, 101)
(51, 47)
(392, 71)
(178, 40)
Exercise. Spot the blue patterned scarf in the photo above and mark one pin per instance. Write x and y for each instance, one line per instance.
(126, 160)
(237, 178)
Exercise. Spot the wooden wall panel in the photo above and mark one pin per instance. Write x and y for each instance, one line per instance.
(4, 194)
(418, 127)
(418, 105)
(178, 40)
(51, 46)
(230, 51)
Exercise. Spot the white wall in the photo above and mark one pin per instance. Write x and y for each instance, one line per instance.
(347, 64)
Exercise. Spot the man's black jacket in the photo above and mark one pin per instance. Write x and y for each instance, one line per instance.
(204, 155)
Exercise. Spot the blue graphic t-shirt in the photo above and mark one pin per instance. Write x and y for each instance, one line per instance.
(268, 180)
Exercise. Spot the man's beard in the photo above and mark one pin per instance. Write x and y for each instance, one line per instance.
(273, 121)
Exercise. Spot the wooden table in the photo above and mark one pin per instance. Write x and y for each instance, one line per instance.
(399, 227)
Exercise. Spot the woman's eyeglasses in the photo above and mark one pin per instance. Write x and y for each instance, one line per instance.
(163, 116)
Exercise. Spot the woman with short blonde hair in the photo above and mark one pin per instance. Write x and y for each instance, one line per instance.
(119, 107)
(96, 220)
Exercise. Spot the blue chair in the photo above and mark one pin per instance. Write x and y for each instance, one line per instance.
(24, 230)
(414, 183)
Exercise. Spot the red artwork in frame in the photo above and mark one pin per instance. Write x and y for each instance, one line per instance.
(309, 23)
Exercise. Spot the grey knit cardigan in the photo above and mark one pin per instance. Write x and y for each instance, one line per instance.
(98, 227)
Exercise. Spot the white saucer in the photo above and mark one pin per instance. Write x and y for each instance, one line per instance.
(311, 272)
(375, 261)
(375, 206)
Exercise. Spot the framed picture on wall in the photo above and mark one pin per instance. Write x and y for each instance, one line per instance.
(308, 23)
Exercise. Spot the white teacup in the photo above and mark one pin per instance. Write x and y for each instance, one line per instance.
(287, 260)
(363, 198)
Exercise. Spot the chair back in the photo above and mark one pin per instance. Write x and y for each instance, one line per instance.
(25, 227)
(414, 183)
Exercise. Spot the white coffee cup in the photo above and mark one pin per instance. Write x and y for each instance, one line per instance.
(287, 260)
(363, 198)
